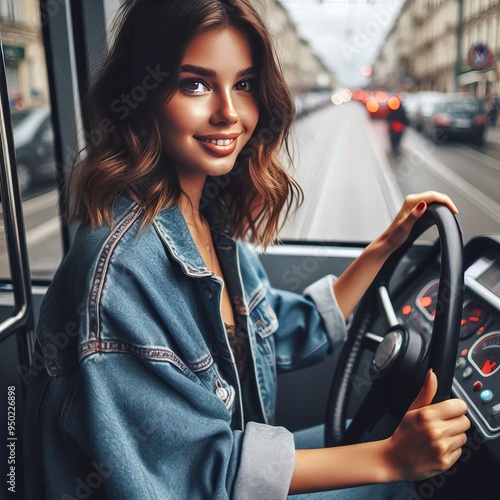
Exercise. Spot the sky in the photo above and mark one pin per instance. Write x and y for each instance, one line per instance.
(345, 34)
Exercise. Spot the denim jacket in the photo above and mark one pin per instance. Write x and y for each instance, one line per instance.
(133, 391)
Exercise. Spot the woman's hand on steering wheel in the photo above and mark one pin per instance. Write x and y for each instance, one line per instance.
(430, 437)
(413, 208)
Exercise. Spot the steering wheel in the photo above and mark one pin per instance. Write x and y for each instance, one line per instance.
(403, 356)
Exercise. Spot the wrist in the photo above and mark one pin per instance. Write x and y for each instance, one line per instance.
(390, 472)
(381, 247)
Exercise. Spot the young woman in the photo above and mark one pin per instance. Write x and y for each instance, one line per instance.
(160, 337)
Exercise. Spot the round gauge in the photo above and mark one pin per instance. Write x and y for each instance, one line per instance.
(427, 299)
(473, 317)
(484, 354)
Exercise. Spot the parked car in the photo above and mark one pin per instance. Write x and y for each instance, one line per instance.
(424, 106)
(457, 118)
(33, 139)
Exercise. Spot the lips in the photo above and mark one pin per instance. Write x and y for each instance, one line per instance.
(218, 144)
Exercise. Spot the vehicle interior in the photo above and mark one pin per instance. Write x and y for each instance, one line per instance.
(436, 302)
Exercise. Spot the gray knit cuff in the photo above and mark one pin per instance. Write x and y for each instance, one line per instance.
(267, 463)
(322, 294)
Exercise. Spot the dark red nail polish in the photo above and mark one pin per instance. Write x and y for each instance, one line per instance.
(421, 205)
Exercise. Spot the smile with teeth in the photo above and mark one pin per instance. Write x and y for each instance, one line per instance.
(219, 142)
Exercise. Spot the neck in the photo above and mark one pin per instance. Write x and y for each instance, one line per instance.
(189, 202)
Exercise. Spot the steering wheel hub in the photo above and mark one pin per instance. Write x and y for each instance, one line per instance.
(386, 353)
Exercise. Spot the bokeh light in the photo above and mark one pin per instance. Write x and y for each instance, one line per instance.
(394, 102)
(366, 70)
(372, 105)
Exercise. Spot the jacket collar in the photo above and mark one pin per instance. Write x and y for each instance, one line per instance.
(173, 230)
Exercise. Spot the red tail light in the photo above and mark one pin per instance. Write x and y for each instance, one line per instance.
(442, 120)
(397, 126)
(481, 120)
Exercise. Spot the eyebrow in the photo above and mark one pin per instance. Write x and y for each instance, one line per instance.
(210, 73)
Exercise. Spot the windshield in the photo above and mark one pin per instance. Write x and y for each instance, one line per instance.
(462, 107)
(355, 169)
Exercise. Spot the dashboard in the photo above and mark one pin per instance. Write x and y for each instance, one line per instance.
(477, 368)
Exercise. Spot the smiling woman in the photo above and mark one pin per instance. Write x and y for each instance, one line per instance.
(166, 388)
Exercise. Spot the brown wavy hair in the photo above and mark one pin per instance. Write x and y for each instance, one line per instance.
(123, 153)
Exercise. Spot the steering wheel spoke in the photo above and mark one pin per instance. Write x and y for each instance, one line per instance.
(386, 306)
(372, 341)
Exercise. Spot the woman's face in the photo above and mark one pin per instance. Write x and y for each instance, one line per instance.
(214, 110)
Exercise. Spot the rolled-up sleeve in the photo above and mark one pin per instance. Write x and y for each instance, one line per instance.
(266, 464)
(322, 294)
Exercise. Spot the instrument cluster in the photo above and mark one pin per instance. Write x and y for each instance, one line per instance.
(477, 369)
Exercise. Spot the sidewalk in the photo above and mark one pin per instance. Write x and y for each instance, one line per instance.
(493, 137)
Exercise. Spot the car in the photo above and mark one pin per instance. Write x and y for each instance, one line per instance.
(378, 104)
(423, 107)
(33, 139)
(457, 118)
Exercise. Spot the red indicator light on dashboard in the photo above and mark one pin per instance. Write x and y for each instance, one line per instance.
(474, 319)
(406, 309)
(464, 352)
(426, 301)
(463, 322)
(488, 366)
(480, 330)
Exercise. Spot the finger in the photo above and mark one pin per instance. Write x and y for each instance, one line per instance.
(427, 393)
(457, 442)
(449, 409)
(419, 209)
(455, 428)
(453, 457)
(434, 196)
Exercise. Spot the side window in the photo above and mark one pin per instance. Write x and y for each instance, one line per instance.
(30, 108)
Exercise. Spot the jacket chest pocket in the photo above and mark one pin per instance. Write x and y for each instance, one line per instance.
(262, 315)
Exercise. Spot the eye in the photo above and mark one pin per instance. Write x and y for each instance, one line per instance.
(192, 86)
(245, 85)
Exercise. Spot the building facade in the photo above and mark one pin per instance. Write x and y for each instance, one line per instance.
(303, 69)
(24, 54)
(444, 45)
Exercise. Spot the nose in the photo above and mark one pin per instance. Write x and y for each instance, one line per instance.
(225, 111)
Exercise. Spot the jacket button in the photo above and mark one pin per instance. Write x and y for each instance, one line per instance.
(208, 293)
(221, 393)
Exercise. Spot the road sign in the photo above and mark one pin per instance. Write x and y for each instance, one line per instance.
(480, 56)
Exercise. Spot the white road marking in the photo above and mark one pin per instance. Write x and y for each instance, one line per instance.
(471, 193)
(394, 194)
(40, 203)
(43, 231)
(478, 156)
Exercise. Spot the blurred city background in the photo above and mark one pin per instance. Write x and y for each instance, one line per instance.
(392, 97)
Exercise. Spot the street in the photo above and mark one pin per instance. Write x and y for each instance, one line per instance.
(43, 235)
(353, 185)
